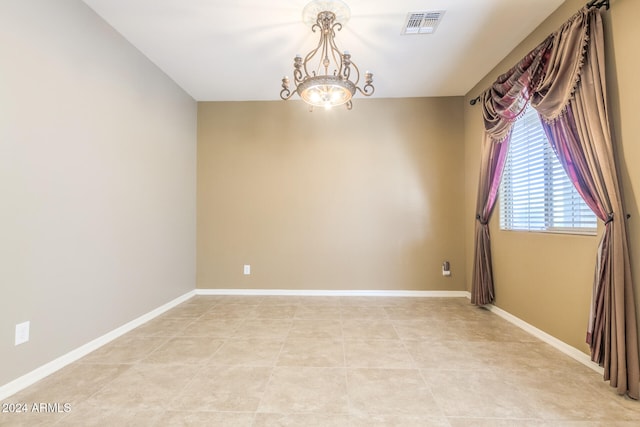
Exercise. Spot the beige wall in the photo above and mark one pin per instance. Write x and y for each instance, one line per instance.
(546, 279)
(97, 179)
(97, 182)
(355, 200)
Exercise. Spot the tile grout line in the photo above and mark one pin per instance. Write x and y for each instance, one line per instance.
(273, 369)
(166, 406)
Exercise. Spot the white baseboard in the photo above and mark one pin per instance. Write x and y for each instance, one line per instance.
(68, 358)
(333, 293)
(565, 348)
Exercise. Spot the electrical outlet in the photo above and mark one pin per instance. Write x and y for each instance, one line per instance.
(247, 269)
(22, 333)
(446, 269)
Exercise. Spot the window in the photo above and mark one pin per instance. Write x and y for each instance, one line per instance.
(535, 193)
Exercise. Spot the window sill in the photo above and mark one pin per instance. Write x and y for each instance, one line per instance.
(557, 231)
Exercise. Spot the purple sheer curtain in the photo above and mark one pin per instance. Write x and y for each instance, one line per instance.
(565, 81)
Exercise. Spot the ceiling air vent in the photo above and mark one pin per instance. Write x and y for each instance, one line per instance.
(422, 22)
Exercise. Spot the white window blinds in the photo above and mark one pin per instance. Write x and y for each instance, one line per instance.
(535, 192)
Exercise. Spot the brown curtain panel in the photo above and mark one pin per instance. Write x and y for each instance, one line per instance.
(564, 79)
(493, 155)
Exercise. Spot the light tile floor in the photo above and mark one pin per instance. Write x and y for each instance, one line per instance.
(326, 361)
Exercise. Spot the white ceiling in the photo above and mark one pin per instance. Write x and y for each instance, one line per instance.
(238, 50)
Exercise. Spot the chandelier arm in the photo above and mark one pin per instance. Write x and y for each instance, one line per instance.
(322, 46)
(335, 52)
(307, 59)
(368, 88)
(297, 75)
(352, 65)
(322, 23)
(286, 94)
(365, 90)
(346, 67)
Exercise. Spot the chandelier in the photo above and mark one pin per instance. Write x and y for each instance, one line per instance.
(326, 77)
